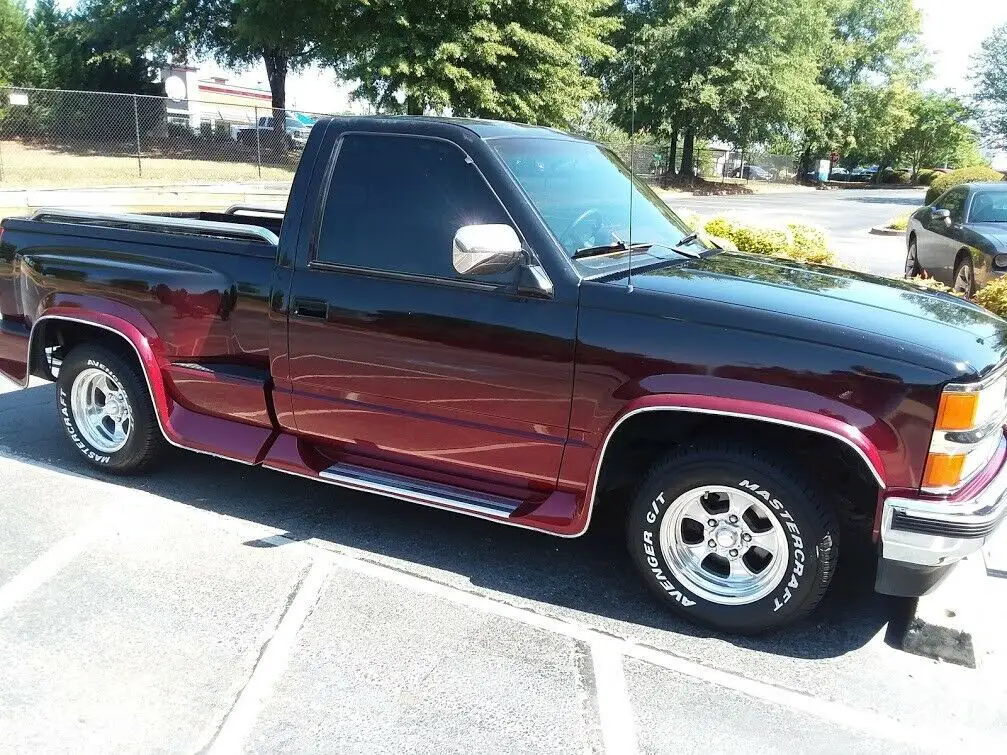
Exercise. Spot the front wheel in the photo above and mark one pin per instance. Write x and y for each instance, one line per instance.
(105, 408)
(912, 261)
(730, 538)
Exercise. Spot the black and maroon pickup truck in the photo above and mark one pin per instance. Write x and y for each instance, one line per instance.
(499, 320)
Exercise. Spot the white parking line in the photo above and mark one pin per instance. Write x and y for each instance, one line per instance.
(240, 721)
(618, 732)
(866, 721)
(45, 567)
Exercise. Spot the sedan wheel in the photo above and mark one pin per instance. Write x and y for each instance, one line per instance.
(912, 262)
(965, 277)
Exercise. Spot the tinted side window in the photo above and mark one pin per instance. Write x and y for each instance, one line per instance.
(395, 203)
(954, 202)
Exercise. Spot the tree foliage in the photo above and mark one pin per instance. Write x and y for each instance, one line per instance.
(285, 35)
(755, 71)
(512, 59)
(15, 47)
(989, 79)
(938, 133)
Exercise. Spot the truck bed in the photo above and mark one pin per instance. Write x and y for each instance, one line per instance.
(198, 282)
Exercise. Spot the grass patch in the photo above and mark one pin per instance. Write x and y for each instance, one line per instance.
(26, 166)
(899, 223)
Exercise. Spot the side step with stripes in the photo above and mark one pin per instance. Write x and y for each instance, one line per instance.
(431, 493)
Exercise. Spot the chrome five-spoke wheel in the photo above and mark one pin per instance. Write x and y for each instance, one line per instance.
(101, 410)
(723, 544)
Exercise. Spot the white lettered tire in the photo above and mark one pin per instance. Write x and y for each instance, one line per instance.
(731, 538)
(104, 407)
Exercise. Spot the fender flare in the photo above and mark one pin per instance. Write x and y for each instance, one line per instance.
(137, 341)
(785, 416)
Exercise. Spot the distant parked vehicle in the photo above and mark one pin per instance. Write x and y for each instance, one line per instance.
(294, 135)
(752, 173)
(960, 239)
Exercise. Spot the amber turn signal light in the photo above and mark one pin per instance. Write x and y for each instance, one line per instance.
(957, 411)
(943, 470)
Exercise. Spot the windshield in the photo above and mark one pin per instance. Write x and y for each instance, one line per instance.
(989, 207)
(582, 190)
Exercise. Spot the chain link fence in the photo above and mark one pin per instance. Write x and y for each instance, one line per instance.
(68, 138)
(650, 160)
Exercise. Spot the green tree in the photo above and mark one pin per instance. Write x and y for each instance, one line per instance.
(879, 117)
(97, 47)
(285, 35)
(866, 42)
(738, 70)
(520, 60)
(15, 47)
(989, 80)
(939, 132)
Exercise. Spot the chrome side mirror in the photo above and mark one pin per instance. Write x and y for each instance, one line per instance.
(939, 213)
(485, 249)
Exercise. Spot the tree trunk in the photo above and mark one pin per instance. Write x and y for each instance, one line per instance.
(688, 153)
(804, 164)
(672, 153)
(277, 65)
(414, 106)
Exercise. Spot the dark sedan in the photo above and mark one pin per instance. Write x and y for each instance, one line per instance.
(961, 238)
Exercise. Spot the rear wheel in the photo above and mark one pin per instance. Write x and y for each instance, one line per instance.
(105, 408)
(729, 537)
(965, 276)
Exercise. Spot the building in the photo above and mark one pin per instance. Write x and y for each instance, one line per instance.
(211, 101)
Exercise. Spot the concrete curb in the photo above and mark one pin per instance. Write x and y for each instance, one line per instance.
(882, 231)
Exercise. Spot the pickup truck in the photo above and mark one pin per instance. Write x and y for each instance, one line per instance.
(265, 133)
(500, 320)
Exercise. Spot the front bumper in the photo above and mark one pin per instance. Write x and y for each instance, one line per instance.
(922, 538)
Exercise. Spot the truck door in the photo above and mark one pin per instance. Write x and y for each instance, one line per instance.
(396, 357)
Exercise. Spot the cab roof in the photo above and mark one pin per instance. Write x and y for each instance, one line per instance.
(481, 127)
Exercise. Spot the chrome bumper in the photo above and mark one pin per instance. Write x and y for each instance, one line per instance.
(938, 533)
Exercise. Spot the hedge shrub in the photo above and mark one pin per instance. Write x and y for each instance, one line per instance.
(926, 176)
(979, 173)
(792, 241)
(993, 296)
(899, 177)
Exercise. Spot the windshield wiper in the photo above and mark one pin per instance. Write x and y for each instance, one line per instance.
(619, 245)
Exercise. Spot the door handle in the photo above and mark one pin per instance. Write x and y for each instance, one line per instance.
(316, 309)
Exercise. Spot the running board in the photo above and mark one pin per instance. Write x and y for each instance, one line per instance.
(432, 493)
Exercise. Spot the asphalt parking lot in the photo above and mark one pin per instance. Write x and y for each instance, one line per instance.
(213, 607)
(846, 215)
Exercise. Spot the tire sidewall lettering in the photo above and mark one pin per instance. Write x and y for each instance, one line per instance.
(658, 571)
(70, 425)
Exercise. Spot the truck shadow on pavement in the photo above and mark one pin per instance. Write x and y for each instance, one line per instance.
(588, 579)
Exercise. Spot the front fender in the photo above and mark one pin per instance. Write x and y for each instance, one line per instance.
(863, 440)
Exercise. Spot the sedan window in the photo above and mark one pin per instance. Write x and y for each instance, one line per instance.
(989, 207)
(954, 202)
